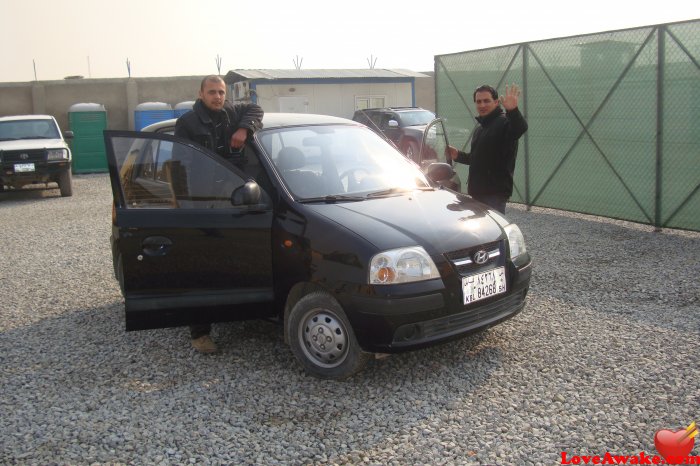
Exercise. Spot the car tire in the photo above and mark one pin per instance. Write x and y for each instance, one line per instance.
(65, 183)
(338, 356)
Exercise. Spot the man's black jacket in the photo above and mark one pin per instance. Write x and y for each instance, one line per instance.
(197, 125)
(494, 148)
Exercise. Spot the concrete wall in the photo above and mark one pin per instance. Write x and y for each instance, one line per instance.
(120, 96)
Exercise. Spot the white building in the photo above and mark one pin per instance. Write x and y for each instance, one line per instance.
(326, 91)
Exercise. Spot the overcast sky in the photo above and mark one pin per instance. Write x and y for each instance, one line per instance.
(94, 38)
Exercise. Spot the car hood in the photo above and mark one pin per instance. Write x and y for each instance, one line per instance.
(440, 221)
(32, 144)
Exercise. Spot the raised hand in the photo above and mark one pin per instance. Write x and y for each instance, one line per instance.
(510, 99)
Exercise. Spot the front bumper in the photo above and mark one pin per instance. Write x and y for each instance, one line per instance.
(432, 315)
(44, 172)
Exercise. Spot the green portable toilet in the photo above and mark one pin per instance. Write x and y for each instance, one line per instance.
(87, 121)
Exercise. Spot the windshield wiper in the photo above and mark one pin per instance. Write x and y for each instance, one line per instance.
(36, 137)
(398, 190)
(331, 199)
(388, 192)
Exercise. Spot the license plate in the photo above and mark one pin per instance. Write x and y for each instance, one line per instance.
(24, 167)
(484, 285)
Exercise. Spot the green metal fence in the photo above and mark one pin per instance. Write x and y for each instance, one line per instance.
(614, 119)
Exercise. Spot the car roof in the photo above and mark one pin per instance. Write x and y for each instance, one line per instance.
(26, 117)
(274, 120)
(392, 109)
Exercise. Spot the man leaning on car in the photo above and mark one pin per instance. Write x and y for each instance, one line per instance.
(222, 127)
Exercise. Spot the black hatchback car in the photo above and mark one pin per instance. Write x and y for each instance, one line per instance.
(320, 223)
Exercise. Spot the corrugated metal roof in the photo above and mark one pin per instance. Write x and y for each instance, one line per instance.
(237, 75)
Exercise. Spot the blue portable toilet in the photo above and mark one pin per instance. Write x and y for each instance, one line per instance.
(183, 107)
(148, 113)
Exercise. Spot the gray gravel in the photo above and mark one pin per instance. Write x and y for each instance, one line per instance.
(604, 355)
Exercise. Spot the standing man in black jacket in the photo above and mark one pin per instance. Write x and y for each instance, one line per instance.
(494, 146)
(223, 128)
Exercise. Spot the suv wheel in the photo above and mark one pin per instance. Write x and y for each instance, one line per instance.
(322, 339)
(65, 183)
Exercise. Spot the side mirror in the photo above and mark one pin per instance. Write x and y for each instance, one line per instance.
(248, 194)
(392, 124)
(439, 171)
(68, 135)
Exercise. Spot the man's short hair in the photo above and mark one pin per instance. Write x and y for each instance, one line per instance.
(211, 78)
(486, 88)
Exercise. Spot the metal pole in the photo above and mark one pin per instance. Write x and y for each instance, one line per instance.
(526, 144)
(661, 57)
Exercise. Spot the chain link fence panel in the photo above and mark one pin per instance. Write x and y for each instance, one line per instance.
(613, 120)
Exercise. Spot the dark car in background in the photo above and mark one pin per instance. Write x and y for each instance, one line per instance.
(33, 151)
(327, 227)
(402, 125)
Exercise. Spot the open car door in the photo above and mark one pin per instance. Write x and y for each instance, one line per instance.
(434, 155)
(191, 234)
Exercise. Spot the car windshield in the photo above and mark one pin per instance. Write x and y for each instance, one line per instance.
(28, 129)
(334, 161)
(417, 117)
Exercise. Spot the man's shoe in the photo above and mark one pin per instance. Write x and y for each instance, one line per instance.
(204, 344)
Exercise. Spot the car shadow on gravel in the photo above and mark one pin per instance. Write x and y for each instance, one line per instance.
(30, 193)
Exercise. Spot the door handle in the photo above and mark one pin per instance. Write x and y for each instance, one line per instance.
(156, 245)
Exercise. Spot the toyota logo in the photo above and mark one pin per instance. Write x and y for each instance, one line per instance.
(24, 156)
(480, 257)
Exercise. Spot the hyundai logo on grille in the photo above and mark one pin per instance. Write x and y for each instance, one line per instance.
(24, 156)
(480, 257)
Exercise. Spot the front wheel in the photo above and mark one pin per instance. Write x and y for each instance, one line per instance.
(322, 338)
(65, 183)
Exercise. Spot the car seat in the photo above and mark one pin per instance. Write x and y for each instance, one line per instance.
(302, 183)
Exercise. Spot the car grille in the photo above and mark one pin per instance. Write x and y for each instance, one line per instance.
(479, 316)
(15, 156)
(463, 259)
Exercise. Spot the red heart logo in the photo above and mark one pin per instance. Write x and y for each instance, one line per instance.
(673, 446)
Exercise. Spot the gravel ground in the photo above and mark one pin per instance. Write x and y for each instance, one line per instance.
(604, 355)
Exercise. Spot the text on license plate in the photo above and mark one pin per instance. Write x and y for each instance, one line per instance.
(24, 167)
(483, 285)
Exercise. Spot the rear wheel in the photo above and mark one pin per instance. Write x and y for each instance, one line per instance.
(322, 338)
(65, 183)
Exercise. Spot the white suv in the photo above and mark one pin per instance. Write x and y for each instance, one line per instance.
(33, 151)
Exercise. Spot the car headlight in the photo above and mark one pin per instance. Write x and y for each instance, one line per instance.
(403, 265)
(57, 154)
(515, 236)
(515, 240)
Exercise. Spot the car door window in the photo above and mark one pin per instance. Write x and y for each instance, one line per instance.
(434, 147)
(184, 177)
(165, 153)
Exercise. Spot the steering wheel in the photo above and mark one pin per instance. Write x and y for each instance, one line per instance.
(351, 175)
